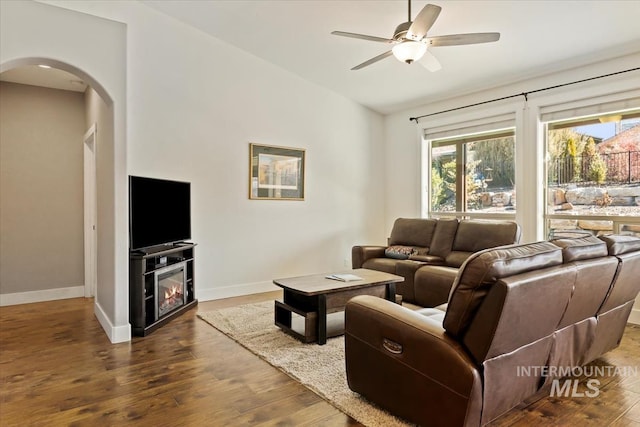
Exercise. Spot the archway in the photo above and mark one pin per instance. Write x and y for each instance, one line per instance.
(98, 105)
(95, 49)
(21, 62)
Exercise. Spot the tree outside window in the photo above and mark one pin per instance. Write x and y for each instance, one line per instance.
(473, 174)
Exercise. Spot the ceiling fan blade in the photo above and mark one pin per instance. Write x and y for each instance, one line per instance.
(460, 39)
(430, 62)
(372, 60)
(362, 37)
(423, 22)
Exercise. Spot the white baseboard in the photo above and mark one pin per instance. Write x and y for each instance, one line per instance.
(234, 291)
(116, 334)
(40, 296)
(635, 316)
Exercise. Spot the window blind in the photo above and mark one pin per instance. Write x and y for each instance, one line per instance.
(461, 130)
(591, 106)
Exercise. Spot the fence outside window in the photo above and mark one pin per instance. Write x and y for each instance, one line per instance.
(619, 168)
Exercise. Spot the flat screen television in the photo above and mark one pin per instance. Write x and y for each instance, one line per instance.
(159, 212)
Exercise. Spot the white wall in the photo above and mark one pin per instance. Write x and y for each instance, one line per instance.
(196, 103)
(41, 245)
(98, 113)
(193, 105)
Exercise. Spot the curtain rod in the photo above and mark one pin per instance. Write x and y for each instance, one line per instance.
(525, 94)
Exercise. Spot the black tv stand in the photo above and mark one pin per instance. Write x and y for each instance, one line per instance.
(144, 265)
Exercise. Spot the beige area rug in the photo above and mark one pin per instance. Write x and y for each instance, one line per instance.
(319, 368)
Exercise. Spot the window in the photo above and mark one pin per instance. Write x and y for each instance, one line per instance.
(593, 175)
(474, 174)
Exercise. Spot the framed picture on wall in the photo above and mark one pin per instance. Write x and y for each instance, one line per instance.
(276, 173)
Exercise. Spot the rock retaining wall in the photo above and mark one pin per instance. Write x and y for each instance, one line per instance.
(593, 227)
(498, 199)
(595, 196)
(566, 199)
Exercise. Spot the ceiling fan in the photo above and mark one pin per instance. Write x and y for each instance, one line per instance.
(410, 40)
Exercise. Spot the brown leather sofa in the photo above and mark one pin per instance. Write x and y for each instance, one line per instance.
(559, 303)
(429, 252)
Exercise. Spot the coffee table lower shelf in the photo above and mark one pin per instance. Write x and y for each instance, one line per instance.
(284, 319)
(304, 326)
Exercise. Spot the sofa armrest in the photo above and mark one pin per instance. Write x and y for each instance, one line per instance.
(359, 254)
(406, 363)
(407, 269)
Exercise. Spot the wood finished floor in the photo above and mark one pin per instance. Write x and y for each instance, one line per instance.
(57, 368)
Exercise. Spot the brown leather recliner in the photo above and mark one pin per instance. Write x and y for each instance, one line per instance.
(429, 252)
(560, 303)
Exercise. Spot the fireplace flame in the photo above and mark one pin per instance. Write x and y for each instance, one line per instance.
(171, 292)
(173, 298)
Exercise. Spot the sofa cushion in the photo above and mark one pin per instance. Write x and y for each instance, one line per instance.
(442, 307)
(626, 285)
(429, 259)
(581, 248)
(433, 283)
(412, 232)
(484, 268)
(445, 232)
(476, 235)
(457, 258)
(618, 245)
(433, 313)
(399, 252)
(388, 265)
(593, 280)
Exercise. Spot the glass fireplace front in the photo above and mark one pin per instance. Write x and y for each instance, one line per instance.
(170, 289)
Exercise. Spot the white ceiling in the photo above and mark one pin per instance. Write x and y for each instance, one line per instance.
(536, 37)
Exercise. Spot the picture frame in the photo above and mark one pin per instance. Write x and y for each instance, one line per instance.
(276, 173)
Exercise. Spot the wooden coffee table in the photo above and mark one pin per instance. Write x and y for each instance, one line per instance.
(313, 297)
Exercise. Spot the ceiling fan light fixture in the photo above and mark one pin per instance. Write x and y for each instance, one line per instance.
(410, 39)
(409, 51)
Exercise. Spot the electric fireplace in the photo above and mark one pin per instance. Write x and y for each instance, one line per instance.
(170, 291)
(161, 285)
